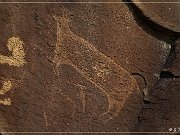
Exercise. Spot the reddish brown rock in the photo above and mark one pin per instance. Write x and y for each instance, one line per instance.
(175, 67)
(164, 113)
(74, 98)
(165, 14)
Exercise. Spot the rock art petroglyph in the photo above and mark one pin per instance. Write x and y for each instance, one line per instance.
(6, 101)
(15, 45)
(71, 101)
(95, 66)
(18, 55)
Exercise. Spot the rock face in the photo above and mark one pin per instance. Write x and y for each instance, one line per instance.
(163, 114)
(79, 67)
(165, 13)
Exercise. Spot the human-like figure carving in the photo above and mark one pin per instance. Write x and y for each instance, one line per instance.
(110, 78)
(15, 45)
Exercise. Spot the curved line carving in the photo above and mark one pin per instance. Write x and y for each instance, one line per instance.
(110, 78)
(15, 45)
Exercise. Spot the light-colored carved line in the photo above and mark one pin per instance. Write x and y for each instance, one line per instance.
(88, 79)
(67, 31)
(70, 100)
(82, 94)
(64, 31)
(6, 101)
(6, 87)
(15, 45)
(45, 118)
(60, 62)
(111, 101)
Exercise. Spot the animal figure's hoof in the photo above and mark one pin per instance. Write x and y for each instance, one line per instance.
(105, 117)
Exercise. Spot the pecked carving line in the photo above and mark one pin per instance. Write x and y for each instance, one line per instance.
(110, 78)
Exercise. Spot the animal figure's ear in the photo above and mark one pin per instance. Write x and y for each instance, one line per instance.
(65, 14)
(55, 17)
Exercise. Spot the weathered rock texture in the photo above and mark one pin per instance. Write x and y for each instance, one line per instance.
(165, 14)
(163, 113)
(82, 68)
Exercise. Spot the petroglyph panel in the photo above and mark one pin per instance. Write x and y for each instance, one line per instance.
(95, 66)
(98, 45)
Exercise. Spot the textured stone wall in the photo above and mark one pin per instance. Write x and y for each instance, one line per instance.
(89, 67)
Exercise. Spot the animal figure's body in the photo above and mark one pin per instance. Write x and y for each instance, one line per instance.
(110, 78)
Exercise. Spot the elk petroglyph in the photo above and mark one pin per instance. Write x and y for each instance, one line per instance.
(15, 45)
(110, 78)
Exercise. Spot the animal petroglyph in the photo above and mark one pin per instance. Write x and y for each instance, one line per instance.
(110, 78)
(15, 45)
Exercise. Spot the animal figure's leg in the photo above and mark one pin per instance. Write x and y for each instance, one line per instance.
(109, 114)
(57, 64)
(112, 104)
(82, 94)
(115, 106)
(67, 97)
(56, 70)
(112, 111)
(70, 100)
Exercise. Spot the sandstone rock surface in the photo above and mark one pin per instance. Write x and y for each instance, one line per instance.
(84, 70)
(165, 14)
